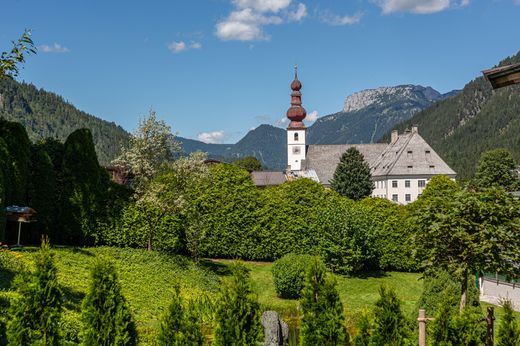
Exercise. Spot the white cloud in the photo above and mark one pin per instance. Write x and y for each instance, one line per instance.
(54, 48)
(419, 6)
(181, 46)
(248, 18)
(312, 116)
(282, 122)
(334, 19)
(213, 137)
(263, 5)
(300, 13)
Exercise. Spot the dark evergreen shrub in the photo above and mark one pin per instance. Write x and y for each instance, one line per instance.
(323, 322)
(19, 149)
(352, 177)
(289, 274)
(105, 314)
(35, 315)
(238, 315)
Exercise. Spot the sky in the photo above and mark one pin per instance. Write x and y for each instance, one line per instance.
(214, 69)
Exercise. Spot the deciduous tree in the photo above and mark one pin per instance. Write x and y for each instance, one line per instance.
(10, 61)
(496, 169)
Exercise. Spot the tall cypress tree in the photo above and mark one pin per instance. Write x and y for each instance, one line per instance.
(84, 188)
(19, 149)
(508, 330)
(179, 326)
(323, 321)
(352, 177)
(42, 189)
(106, 316)
(390, 325)
(36, 314)
(238, 316)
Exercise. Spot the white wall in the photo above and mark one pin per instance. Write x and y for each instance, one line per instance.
(385, 189)
(295, 148)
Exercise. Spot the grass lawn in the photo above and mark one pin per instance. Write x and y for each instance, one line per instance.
(147, 279)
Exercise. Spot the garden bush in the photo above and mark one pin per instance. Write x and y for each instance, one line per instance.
(289, 274)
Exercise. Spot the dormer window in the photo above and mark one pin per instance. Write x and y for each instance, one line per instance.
(296, 137)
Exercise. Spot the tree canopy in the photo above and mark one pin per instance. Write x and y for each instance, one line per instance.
(496, 169)
(352, 177)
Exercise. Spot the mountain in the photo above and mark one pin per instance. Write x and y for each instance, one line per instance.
(45, 114)
(367, 115)
(475, 120)
(365, 118)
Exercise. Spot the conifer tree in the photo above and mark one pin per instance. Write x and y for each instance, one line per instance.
(106, 316)
(238, 315)
(508, 330)
(323, 321)
(390, 325)
(179, 326)
(442, 328)
(352, 177)
(364, 332)
(35, 316)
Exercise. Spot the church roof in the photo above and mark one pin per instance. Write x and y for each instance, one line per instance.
(408, 154)
(324, 158)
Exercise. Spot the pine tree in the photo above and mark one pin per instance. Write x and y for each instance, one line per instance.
(442, 329)
(106, 316)
(390, 325)
(508, 330)
(323, 321)
(179, 326)
(238, 314)
(36, 314)
(352, 177)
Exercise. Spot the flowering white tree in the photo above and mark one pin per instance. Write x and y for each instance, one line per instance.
(151, 147)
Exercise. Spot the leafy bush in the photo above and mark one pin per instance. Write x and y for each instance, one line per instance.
(289, 274)
(346, 236)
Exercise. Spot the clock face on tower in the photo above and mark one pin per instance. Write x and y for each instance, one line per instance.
(296, 150)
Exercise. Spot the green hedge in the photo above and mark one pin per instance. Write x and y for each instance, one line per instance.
(289, 274)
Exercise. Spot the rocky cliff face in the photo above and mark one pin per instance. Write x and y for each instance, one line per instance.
(382, 96)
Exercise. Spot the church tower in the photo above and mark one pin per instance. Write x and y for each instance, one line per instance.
(296, 129)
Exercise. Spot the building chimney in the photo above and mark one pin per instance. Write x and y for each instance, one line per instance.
(394, 137)
(415, 129)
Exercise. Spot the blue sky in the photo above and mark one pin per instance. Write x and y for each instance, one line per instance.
(214, 69)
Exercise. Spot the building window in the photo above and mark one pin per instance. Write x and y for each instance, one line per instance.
(296, 150)
(410, 154)
(407, 183)
(296, 137)
(421, 183)
(427, 152)
(407, 197)
(394, 183)
(394, 198)
(432, 167)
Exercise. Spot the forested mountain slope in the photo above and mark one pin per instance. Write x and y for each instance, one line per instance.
(45, 114)
(475, 120)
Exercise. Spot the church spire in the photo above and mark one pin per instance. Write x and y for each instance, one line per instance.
(296, 113)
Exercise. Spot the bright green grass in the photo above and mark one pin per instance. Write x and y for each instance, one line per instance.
(147, 279)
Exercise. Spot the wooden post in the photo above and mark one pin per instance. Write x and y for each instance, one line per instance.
(19, 232)
(490, 318)
(422, 327)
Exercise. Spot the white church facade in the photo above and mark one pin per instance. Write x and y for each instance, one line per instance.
(400, 169)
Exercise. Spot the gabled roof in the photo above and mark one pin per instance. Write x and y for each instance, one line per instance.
(409, 154)
(324, 158)
(384, 159)
(264, 178)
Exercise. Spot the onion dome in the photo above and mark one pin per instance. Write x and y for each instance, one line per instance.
(296, 113)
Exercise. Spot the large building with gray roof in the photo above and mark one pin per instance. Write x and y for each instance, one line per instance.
(400, 169)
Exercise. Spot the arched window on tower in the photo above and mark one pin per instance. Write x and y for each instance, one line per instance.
(296, 137)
